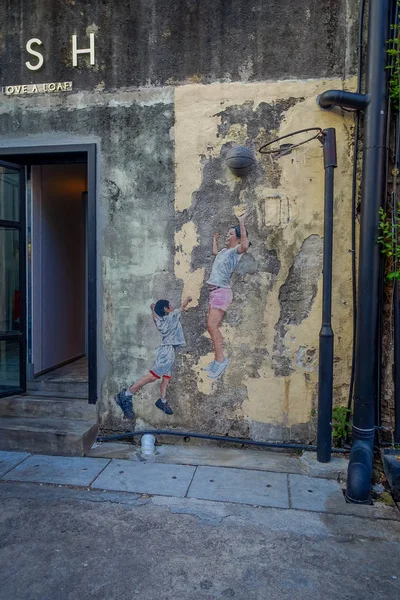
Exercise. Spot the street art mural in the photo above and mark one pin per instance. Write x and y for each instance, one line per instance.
(167, 321)
(249, 366)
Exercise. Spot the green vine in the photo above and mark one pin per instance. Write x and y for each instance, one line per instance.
(394, 68)
(340, 424)
(389, 224)
(388, 240)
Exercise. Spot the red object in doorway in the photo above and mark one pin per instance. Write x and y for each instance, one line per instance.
(17, 296)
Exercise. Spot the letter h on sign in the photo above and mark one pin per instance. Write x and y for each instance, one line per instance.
(75, 52)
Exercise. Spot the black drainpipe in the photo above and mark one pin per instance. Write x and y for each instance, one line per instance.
(375, 104)
(396, 363)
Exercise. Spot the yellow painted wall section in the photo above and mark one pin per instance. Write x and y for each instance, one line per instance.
(290, 211)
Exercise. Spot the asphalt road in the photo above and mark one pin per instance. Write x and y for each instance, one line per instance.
(69, 544)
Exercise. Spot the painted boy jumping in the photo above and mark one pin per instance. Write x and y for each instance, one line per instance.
(219, 283)
(168, 322)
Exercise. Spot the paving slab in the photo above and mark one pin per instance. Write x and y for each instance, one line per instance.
(379, 510)
(391, 465)
(9, 460)
(145, 478)
(229, 457)
(240, 485)
(336, 468)
(62, 470)
(322, 495)
(114, 450)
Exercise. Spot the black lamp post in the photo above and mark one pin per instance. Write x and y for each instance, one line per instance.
(327, 137)
(326, 338)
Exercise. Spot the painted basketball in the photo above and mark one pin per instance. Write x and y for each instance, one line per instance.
(240, 160)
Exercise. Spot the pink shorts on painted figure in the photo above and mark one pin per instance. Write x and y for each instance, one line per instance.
(221, 298)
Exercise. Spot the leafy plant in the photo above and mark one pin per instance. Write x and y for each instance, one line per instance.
(388, 240)
(394, 68)
(340, 424)
(394, 87)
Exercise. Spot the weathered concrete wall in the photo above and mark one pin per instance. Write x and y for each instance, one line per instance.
(164, 188)
(159, 42)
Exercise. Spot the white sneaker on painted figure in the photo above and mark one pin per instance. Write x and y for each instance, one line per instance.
(209, 367)
(218, 368)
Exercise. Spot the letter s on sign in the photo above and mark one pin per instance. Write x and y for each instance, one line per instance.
(34, 53)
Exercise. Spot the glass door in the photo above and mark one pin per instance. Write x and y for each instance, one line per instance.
(12, 280)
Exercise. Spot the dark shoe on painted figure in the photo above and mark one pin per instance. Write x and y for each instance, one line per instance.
(164, 406)
(124, 401)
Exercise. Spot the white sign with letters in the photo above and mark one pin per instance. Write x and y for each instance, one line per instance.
(37, 62)
(75, 52)
(37, 88)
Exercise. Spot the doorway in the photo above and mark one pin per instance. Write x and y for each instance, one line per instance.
(48, 305)
(58, 269)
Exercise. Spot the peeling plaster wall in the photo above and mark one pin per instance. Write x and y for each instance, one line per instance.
(271, 330)
(164, 188)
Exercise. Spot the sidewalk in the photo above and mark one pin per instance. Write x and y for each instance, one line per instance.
(258, 479)
(112, 528)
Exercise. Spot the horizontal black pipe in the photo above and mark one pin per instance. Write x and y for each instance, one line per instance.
(332, 98)
(217, 438)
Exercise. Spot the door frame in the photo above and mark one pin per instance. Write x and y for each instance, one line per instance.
(90, 151)
(20, 226)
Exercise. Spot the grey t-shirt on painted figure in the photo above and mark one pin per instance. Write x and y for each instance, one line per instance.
(225, 263)
(171, 329)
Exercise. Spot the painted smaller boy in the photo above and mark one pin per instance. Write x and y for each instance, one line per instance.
(168, 322)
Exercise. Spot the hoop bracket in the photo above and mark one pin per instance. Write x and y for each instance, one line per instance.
(284, 149)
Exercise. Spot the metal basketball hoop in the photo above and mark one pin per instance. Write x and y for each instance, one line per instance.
(283, 149)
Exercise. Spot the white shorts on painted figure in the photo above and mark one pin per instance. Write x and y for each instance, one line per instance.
(165, 357)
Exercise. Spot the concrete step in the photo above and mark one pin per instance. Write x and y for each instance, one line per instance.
(63, 437)
(47, 407)
(68, 389)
